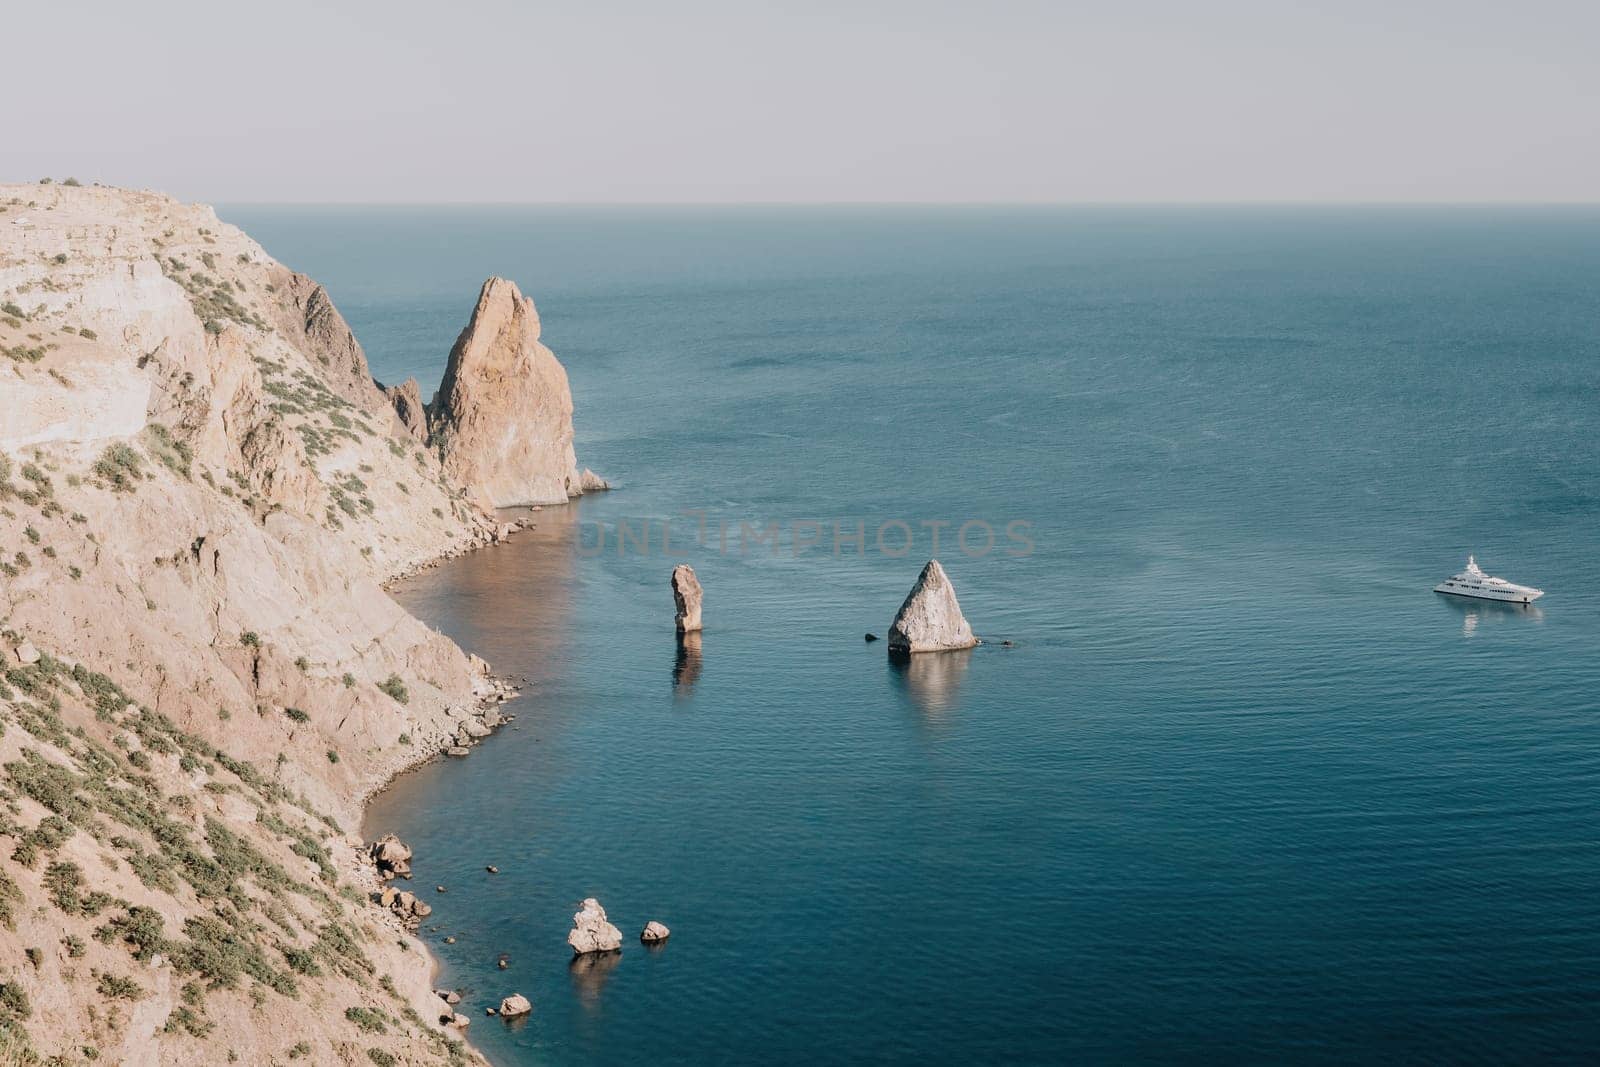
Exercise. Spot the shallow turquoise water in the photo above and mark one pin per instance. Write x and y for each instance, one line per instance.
(1244, 788)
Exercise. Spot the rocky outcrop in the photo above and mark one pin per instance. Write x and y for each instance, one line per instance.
(391, 856)
(930, 620)
(687, 596)
(411, 416)
(502, 420)
(307, 316)
(514, 1005)
(590, 482)
(654, 933)
(591, 932)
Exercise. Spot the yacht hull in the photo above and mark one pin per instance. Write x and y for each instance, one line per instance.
(1503, 597)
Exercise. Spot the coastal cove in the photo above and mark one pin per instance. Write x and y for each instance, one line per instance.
(1243, 787)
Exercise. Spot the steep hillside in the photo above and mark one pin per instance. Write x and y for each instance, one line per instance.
(201, 491)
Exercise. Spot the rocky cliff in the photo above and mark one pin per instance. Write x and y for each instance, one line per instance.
(502, 421)
(201, 492)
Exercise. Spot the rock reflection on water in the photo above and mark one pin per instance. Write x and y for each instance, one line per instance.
(589, 973)
(686, 670)
(931, 681)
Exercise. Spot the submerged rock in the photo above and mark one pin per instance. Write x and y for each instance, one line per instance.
(591, 932)
(654, 933)
(686, 594)
(503, 415)
(514, 1005)
(930, 620)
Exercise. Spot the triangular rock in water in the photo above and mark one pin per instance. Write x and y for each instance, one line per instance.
(930, 620)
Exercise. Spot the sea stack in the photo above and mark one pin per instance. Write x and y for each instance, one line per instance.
(930, 620)
(502, 420)
(592, 932)
(686, 594)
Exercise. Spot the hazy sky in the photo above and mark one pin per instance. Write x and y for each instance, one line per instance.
(701, 100)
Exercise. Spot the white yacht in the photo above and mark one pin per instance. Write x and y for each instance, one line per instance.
(1473, 582)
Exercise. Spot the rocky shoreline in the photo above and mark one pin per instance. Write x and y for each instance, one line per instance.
(203, 493)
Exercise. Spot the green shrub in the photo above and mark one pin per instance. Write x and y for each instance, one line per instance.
(396, 689)
(369, 1019)
(118, 988)
(119, 466)
(141, 929)
(14, 1006)
(296, 715)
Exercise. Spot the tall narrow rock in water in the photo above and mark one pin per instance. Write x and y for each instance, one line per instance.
(686, 595)
(930, 620)
(503, 418)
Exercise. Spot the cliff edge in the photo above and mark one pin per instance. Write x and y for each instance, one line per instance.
(201, 677)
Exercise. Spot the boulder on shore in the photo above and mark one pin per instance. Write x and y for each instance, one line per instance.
(930, 620)
(654, 933)
(392, 856)
(686, 594)
(514, 1005)
(591, 932)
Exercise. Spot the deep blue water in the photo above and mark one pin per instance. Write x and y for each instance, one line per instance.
(1244, 789)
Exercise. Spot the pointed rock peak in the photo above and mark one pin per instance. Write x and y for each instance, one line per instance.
(411, 417)
(503, 303)
(503, 416)
(930, 620)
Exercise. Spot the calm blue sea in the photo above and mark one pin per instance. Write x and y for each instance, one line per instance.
(1243, 788)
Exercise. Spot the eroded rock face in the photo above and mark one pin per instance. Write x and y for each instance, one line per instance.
(930, 620)
(591, 932)
(409, 412)
(687, 595)
(590, 482)
(503, 416)
(315, 326)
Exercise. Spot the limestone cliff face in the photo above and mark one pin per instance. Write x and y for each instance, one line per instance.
(200, 496)
(306, 315)
(503, 418)
(411, 415)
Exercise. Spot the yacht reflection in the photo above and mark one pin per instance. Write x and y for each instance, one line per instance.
(931, 681)
(589, 973)
(686, 670)
(1478, 613)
